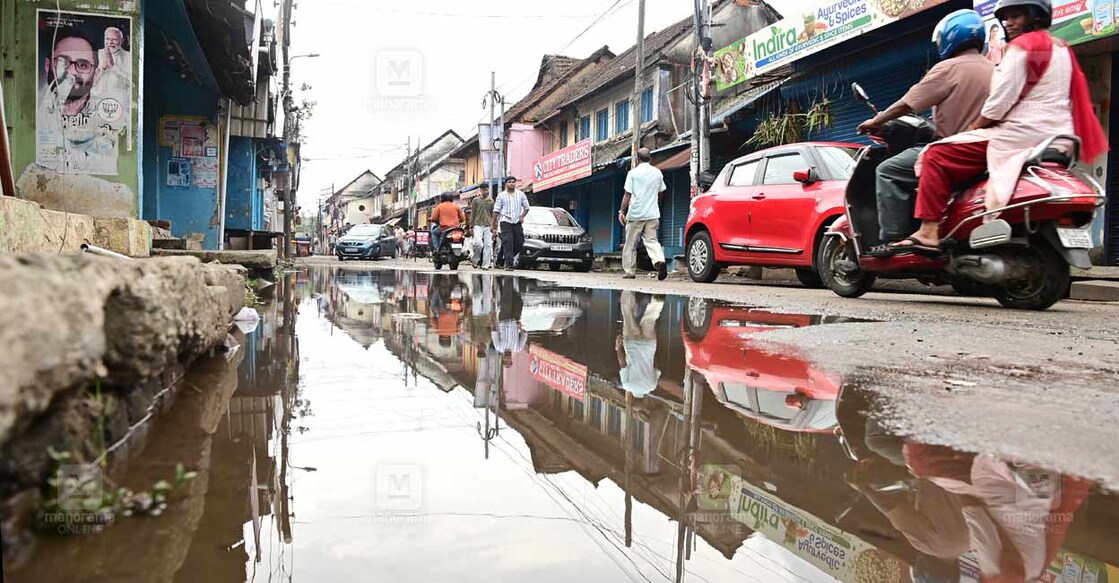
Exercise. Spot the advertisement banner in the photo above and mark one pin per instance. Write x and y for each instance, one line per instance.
(562, 166)
(800, 35)
(1075, 21)
(835, 552)
(558, 372)
(84, 91)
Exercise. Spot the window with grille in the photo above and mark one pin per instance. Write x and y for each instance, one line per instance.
(596, 413)
(584, 129)
(621, 116)
(563, 134)
(576, 408)
(602, 125)
(647, 105)
(614, 422)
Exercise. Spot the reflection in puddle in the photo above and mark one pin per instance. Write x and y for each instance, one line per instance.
(476, 427)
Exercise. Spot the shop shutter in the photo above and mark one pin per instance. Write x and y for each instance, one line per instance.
(674, 215)
(1111, 227)
(885, 74)
(601, 221)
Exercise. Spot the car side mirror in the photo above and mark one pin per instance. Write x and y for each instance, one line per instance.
(806, 176)
(860, 93)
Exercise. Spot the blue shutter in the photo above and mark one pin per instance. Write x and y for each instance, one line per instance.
(647, 105)
(885, 75)
(602, 125)
(584, 128)
(601, 220)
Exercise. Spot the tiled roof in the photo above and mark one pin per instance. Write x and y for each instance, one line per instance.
(559, 73)
(624, 63)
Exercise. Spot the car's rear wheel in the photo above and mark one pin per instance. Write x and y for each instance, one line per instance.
(697, 320)
(809, 278)
(701, 258)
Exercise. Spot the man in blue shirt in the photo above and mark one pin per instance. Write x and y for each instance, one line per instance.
(508, 212)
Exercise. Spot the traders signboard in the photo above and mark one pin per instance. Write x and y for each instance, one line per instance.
(562, 166)
(802, 34)
(1076, 21)
(562, 374)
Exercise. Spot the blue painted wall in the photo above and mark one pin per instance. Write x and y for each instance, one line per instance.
(243, 201)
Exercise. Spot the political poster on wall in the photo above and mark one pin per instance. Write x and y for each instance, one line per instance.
(84, 91)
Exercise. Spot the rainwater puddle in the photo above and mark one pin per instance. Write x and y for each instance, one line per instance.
(404, 426)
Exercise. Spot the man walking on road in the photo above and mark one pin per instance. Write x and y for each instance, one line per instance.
(641, 214)
(481, 217)
(508, 212)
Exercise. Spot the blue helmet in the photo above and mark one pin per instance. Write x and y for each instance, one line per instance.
(959, 28)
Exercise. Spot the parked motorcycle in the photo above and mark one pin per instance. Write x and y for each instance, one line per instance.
(450, 251)
(1019, 254)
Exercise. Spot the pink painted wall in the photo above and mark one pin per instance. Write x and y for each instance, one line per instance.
(526, 144)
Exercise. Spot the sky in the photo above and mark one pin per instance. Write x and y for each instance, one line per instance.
(390, 72)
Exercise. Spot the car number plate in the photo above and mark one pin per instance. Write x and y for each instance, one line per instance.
(456, 245)
(351, 250)
(562, 247)
(1075, 238)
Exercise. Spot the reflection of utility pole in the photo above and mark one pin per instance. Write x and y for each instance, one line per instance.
(627, 438)
(689, 475)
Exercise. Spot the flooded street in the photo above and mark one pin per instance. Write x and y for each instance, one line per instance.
(411, 426)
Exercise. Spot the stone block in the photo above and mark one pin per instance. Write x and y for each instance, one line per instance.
(27, 228)
(262, 259)
(126, 236)
(1095, 291)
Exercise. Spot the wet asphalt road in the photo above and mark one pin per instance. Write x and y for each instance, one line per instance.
(957, 371)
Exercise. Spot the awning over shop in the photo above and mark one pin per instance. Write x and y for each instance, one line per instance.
(744, 100)
(674, 161)
(475, 189)
(393, 222)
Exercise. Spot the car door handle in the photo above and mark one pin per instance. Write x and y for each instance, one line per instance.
(759, 196)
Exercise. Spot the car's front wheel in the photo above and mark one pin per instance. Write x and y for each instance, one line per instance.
(584, 267)
(701, 258)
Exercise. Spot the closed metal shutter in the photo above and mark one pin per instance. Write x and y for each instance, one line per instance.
(886, 73)
(601, 220)
(674, 214)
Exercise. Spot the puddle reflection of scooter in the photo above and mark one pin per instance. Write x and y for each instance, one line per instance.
(971, 513)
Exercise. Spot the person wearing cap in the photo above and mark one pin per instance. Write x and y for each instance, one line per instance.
(955, 89)
(1038, 92)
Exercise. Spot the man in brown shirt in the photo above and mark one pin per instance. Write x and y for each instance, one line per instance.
(955, 89)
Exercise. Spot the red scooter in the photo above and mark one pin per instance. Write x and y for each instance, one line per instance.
(1019, 254)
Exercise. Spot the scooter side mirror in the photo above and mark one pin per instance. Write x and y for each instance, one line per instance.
(805, 176)
(860, 93)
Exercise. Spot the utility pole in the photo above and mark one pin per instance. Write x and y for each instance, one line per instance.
(285, 19)
(701, 82)
(408, 184)
(491, 98)
(638, 83)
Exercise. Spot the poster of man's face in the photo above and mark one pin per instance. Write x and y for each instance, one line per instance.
(84, 91)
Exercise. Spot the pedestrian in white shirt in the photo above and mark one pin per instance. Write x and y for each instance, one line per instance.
(641, 214)
(508, 212)
(637, 344)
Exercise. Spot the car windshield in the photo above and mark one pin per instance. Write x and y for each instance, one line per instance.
(364, 231)
(551, 217)
(841, 160)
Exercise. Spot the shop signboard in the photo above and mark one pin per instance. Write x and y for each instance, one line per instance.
(805, 33)
(562, 166)
(835, 552)
(558, 372)
(1075, 21)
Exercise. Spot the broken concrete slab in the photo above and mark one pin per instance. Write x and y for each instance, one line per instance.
(70, 320)
(27, 228)
(253, 260)
(1095, 291)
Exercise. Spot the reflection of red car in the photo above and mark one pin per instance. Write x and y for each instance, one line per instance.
(781, 390)
(769, 208)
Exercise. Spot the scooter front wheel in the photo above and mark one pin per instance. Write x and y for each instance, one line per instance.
(840, 271)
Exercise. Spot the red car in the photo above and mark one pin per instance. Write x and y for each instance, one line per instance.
(779, 390)
(769, 208)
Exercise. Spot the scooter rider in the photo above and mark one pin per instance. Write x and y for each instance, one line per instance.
(445, 216)
(955, 89)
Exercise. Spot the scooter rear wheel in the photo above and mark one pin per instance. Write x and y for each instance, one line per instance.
(1047, 283)
(845, 282)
